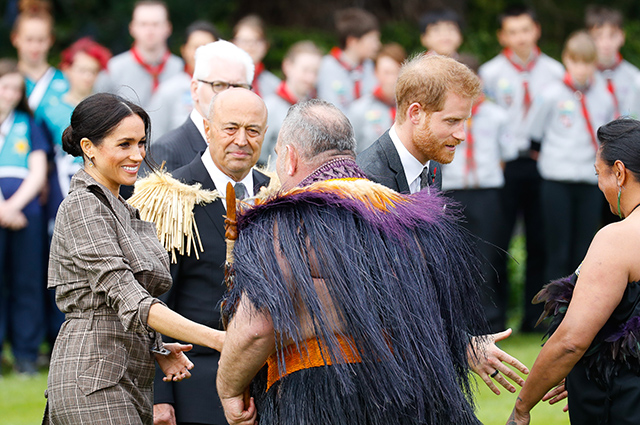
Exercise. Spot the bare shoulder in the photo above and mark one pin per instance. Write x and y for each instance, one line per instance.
(618, 245)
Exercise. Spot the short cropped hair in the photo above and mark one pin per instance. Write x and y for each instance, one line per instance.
(300, 47)
(152, 3)
(254, 22)
(394, 51)
(203, 26)
(440, 15)
(354, 22)
(221, 49)
(87, 46)
(597, 16)
(316, 126)
(580, 47)
(515, 11)
(427, 79)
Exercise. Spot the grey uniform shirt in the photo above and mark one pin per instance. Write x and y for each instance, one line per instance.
(170, 105)
(556, 119)
(127, 78)
(277, 108)
(623, 78)
(336, 84)
(634, 99)
(265, 83)
(370, 118)
(487, 128)
(503, 84)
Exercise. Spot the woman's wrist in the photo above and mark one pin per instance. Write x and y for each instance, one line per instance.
(521, 406)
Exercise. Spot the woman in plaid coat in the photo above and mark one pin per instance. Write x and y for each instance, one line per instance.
(107, 267)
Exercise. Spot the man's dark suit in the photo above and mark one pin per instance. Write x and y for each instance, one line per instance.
(381, 163)
(179, 146)
(198, 287)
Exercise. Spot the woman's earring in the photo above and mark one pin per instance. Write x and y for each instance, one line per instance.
(619, 195)
(91, 165)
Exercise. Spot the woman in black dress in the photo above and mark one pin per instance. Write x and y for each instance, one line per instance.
(595, 329)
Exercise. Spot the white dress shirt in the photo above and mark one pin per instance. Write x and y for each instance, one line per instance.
(220, 179)
(412, 167)
(198, 120)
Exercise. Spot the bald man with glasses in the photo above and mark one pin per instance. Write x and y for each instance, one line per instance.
(219, 66)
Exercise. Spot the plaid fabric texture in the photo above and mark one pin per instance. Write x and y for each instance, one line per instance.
(107, 267)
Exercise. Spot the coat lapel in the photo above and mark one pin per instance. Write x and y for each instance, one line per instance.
(393, 159)
(215, 210)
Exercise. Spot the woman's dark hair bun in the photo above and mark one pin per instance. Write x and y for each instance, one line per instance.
(97, 116)
(68, 144)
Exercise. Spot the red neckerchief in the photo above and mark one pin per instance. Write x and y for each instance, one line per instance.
(337, 54)
(585, 112)
(377, 93)
(508, 53)
(186, 70)
(154, 70)
(283, 92)
(607, 75)
(259, 68)
(471, 165)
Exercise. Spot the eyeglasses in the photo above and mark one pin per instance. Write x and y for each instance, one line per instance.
(218, 86)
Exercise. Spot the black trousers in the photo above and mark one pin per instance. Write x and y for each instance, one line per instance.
(483, 218)
(572, 214)
(521, 198)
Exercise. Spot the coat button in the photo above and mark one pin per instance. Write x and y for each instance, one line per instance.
(135, 381)
(46, 393)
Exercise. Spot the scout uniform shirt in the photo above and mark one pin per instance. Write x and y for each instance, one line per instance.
(127, 75)
(19, 136)
(514, 86)
(341, 83)
(476, 164)
(51, 86)
(371, 116)
(566, 132)
(620, 82)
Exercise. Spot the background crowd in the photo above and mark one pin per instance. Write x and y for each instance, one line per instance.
(529, 151)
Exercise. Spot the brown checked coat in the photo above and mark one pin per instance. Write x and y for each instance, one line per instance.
(107, 267)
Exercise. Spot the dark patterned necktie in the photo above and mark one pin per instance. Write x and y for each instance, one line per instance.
(425, 178)
(241, 191)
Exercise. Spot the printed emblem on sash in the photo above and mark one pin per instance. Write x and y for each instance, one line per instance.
(21, 147)
(566, 110)
(506, 91)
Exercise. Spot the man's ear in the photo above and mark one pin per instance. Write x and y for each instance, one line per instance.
(207, 129)
(194, 88)
(414, 113)
(292, 159)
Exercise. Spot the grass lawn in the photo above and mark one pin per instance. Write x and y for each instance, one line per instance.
(494, 410)
(22, 401)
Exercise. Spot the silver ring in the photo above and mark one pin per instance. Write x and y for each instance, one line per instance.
(494, 374)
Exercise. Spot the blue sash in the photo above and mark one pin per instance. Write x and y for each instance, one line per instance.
(15, 148)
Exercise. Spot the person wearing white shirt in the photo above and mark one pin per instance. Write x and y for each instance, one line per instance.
(235, 130)
(219, 65)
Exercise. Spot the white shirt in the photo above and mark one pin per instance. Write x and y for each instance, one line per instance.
(412, 167)
(198, 120)
(220, 179)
